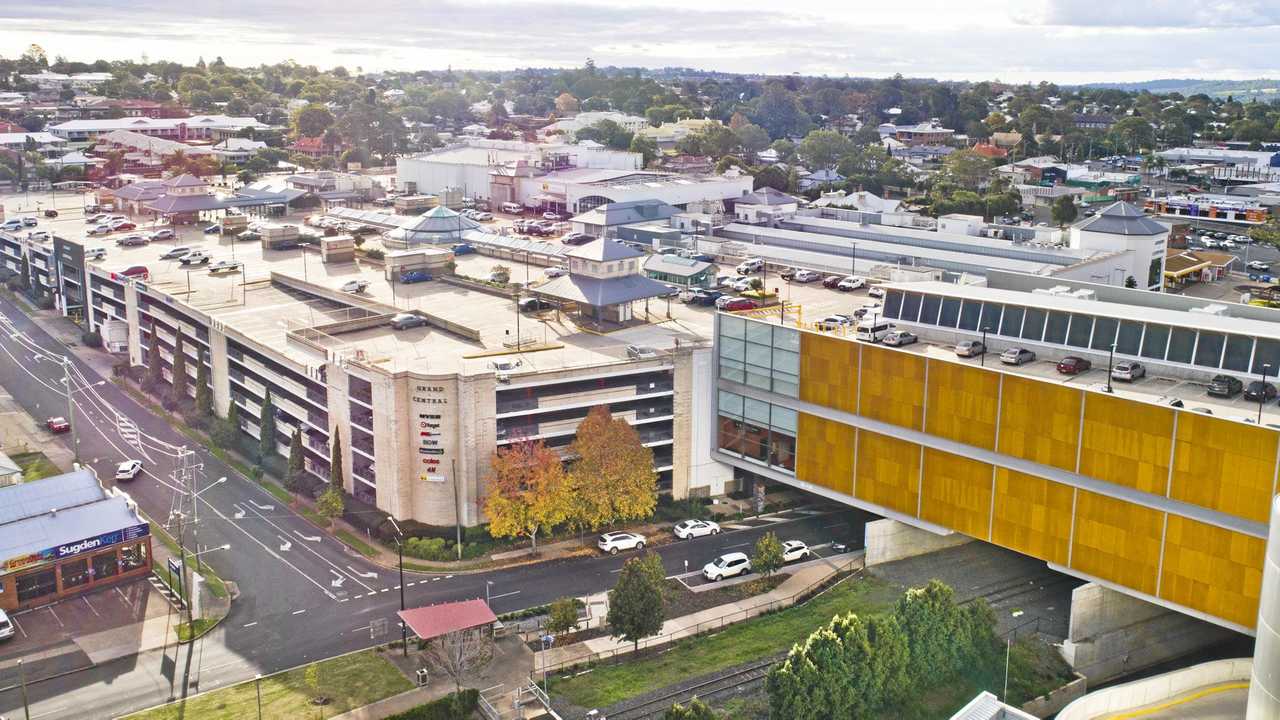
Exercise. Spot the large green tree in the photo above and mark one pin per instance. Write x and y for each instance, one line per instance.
(822, 149)
(1063, 211)
(267, 428)
(767, 557)
(636, 609)
(204, 394)
(312, 120)
(178, 380)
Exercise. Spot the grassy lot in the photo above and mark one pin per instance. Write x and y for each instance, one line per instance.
(349, 682)
(194, 629)
(357, 544)
(34, 465)
(751, 640)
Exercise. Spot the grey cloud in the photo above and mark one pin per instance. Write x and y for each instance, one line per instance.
(1157, 13)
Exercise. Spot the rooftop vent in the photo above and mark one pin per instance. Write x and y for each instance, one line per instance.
(1055, 290)
(1084, 294)
(1213, 309)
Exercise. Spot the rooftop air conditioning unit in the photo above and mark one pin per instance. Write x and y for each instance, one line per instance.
(1084, 294)
(1213, 309)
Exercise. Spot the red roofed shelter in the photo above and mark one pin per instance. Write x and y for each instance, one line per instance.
(434, 621)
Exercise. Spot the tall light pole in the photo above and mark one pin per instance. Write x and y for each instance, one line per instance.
(1262, 391)
(1111, 357)
(22, 678)
(982, 358)
(487, 585)
(404, 630)
(257, 688)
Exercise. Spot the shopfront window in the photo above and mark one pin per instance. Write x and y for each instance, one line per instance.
(893, 304)
(75, 573)
(1081, 329)
(36, 585)
(133, 557)
(1209, 349)
(105, 566)
(1130, 337)
(757, 430)
(1055, 331)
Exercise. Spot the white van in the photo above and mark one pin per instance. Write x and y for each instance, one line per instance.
(872, 331)
(512, 208)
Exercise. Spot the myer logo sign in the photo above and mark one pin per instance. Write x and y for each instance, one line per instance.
(76, 549)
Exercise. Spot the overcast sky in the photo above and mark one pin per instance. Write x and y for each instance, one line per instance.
(1065, 41)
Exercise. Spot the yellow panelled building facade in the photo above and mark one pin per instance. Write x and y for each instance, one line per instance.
(1170, 505)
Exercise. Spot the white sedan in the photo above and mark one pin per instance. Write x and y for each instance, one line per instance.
(616, 541)
(805, 276)
(851, 283)
(128, 470)
(793, 550)
(695, 528)
(555, 271)
(354, 286)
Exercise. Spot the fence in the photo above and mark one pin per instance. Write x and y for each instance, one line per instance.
(811, 591)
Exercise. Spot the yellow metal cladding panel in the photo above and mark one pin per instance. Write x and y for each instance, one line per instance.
(1039, 421)
(1127, 442)
(1224, 465)
(1032, 515)
(956, 492)
(824, 453)
(829, 371)
(893, 386)
(1213, 570)
(888, 471)
(963, 402)
(1117, 541)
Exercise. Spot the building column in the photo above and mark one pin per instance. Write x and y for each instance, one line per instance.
(889, 540)
(1264, 686)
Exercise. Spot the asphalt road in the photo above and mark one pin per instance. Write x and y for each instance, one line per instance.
(300, 599)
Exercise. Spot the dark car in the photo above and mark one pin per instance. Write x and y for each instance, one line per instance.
(534, 305)
(137, 272)
(1072, 365)
(463, 249)
(1225, 386)
(832, 280)
(705, 297)
(1260, 391)
(212, 229)
(414, 276)
(51, 213)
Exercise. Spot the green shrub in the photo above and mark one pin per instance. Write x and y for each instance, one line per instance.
(91, 339)
(453, 706)
(374, 254)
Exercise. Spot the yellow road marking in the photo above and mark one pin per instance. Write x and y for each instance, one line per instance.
(1174, 703)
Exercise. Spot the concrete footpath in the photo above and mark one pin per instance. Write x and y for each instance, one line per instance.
(801, 577)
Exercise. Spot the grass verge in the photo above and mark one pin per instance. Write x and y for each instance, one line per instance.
(276, 491)
(215, 583)
(350, 681)
(356, 543)
(192, 630)
(746, 641)
(35, 465)
(316, 518)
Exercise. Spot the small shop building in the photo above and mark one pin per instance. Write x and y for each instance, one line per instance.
(64, 535)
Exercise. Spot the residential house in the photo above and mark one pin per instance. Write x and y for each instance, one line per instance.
(926, 133)
(764, 206)
(237, 150)
(1093, 121)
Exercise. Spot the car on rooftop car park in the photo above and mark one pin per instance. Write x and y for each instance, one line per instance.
(128, 470)
(224, 266)
(212, 229)
(850, 283)
(733, 304)
(132, 240)
(805, 276)
(354, 286)
(57, 425)
(1017, 356)
(463, 249)
(898, 338)
(1073, 365)
(641, 352)
(834, 322)
(614, 542)
(555, 271)
(727, 566)
(98, 253)
(136, 272)
(534, 304)
(6, 626)
(695, 528)
(793, 550)
(405, 321)
(1128, 370)
(409, 277)
(831, 281)
(1225, 386)
(970, 348)
(1260, 391)
(164, 234)
(875, 292)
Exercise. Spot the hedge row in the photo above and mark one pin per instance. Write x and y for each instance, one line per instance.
(454, 706)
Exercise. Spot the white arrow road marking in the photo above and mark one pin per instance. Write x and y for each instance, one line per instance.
(284, 544)
(338, 579)
(363, 574)
(308, 538)
(239, 514)
(262, 507)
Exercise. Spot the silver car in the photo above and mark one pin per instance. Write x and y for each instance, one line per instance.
(1128, 370)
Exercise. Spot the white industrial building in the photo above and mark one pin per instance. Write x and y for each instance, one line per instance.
(570, 126)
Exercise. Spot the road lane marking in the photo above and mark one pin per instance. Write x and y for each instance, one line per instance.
(255, 622)
(513, 592)
(309, 549)
(299, 612)
(726, 547)
(363, 574)
(265, 508)
(308, 538)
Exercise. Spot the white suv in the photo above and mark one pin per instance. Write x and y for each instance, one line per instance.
(726, 566)
(695, 528)
(6, 626)
(615, 541)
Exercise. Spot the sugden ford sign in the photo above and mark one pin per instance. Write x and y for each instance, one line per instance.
(71, 549)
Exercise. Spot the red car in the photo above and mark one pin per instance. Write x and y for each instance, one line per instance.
(123, 226)
(740, 304)
(137, 271)
(832, 280)
(57, 425)
(1072, 365)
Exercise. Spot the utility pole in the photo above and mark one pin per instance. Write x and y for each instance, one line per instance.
(22, 675)
(457, 506)
(71, 408)
(404, 630)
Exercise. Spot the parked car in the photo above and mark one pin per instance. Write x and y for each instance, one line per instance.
(615, 542)
(1259, 266)
(128, 470)
(727, 566)
(534, 304)
(462, 249)
(875, 291)
(1017, 356)
(555, 271)
(224, 266)
(577, 238)
(404, 321)
(1128, 370)
(195, 257)
(98, 253)
(787, 273)
(551, 215)
(1225, 386)
(970, 348)
(164, 234)
(805, 276)
(29, 221)
(409, 277)
(686, 529)
(57, 425)
(872, 309)
(1073, 365)
(250, 236)
(898, 338)
(737, 303)
(137, 272)
(834, 322)
(700, 296)
(95, 219)
(212, 229)
(1260, 391)
(6, 626)
(741, 284)
(831, 281)
(354, 286)
(50, 213)
(121, 225)
(750, 265)
(174, 253)
(793, 550)
(850, 284)
(11, 225)
(641, 352)
(130, 240)
(102, 229)
(482, 216)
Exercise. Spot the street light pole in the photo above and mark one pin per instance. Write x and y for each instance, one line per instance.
(1110, 360)
(71, 408)
(982, 358)
(404, 631)
(257, 688)
(487, 584)
(22, 675)
(1262, 391)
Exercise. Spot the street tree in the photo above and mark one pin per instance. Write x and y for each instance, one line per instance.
(1268, 232)
(767, 557)
(331, 504)
(752, 138)
(966, 169)
(460, 652)
(645, 146)
(266, 429)
(293, 477)
(528, 491)
(562, 616)
(337, 478)
(636, 609)
(312, 120)
(1063, 211)
(204, 395)
(822, 149)
(695, 710)
(930, 623)
(178, 383)
(311, 676)
(612, 479)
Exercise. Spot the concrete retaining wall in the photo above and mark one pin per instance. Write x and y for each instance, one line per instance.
(889, 540)
(1113, 634)
(1047, 705)
(1155, 689)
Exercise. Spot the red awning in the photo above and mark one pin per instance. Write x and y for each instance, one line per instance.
(436, 620)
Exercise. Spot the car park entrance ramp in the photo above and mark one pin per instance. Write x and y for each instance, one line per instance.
(1216, 690)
